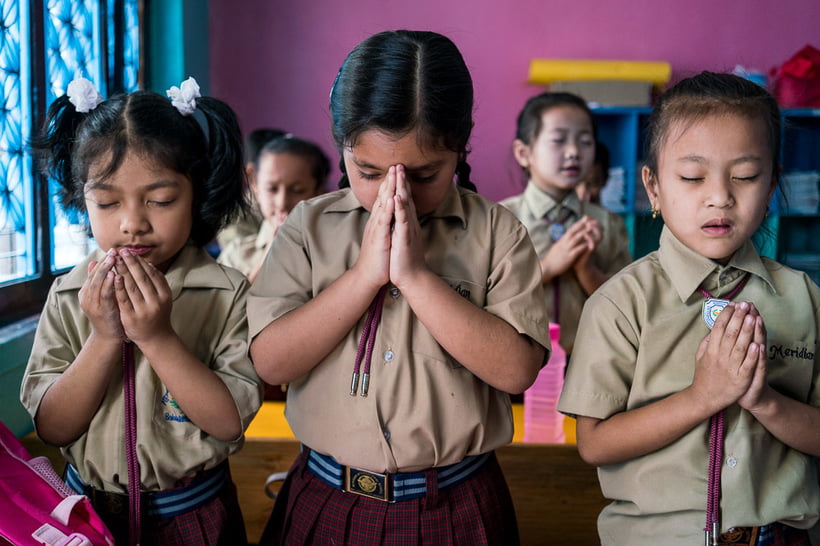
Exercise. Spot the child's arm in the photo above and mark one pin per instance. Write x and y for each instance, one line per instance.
(290, 346)
(145, 301)
(71, 402)
(483, 343)
(725, 364)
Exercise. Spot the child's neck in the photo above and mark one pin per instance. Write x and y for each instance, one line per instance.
(558, 195)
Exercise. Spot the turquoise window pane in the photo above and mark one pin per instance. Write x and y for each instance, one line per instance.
(73, 48)
(16, 202)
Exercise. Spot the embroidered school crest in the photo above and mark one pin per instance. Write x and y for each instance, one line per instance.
(171, 409)
(711, 309)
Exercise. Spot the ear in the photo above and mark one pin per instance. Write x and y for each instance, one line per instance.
(522, 151)
(650, 184)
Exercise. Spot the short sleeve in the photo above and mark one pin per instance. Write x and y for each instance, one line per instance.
(602, 366)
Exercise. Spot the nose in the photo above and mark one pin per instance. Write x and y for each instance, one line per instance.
(133, 220)
(719, 193)
(571, 150)
(280, 201)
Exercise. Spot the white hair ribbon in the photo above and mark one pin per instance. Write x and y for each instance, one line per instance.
(184, 97)
(83, 95)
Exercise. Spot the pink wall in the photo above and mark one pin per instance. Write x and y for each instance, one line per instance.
(274, 60)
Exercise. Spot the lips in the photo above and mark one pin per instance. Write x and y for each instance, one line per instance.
(138, 250)
(718, 226)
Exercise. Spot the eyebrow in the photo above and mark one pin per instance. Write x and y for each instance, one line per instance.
(410, 168)
(702, 160)
(105, 186)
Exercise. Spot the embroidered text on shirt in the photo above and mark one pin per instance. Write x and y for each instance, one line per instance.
(463, 292)
(790, 352)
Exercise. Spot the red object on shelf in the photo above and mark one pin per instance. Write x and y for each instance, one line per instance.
(796, 83)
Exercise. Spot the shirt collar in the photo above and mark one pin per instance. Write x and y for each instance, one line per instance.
(192, 268)
(541, 203)
(689, 270)
(450, 207)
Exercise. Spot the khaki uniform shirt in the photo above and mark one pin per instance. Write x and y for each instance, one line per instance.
(423, 409)
(243, 253)
(636, 344)
(209, 315)
(611, 254)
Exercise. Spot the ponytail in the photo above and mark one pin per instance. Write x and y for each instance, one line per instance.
(221, 198)
(463, 175)
(54, 149)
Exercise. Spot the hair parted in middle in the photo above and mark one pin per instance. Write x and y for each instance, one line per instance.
(401, 81)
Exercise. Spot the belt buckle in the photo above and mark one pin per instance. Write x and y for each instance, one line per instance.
(368, 484)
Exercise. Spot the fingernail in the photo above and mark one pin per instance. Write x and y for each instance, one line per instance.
(125, 252)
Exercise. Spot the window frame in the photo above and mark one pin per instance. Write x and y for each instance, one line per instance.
(24, 297)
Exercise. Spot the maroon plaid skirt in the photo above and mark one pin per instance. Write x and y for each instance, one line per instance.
(217, 522)
(474, 512)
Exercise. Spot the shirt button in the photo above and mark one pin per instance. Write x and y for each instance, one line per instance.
(395, 292)
(388, 356)
(386, 434)
(732, 462)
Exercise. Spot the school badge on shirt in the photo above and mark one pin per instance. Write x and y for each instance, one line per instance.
(171, 410)
(711, 309)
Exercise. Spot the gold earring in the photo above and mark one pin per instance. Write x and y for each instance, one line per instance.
(655, 212)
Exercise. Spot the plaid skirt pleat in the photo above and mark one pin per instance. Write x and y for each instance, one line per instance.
(478, 511)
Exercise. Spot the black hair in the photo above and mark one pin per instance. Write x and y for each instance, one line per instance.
(602, 156)
(398, 81)
(146, 123)
(310, 152)
(257, 139)
(530, 119)
(707, 94)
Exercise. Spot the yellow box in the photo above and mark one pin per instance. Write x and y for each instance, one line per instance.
(546, 71)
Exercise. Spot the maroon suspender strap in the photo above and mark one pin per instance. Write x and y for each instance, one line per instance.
(716, 424)
(129, 395)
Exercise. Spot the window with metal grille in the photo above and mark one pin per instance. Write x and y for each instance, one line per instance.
(44, 44)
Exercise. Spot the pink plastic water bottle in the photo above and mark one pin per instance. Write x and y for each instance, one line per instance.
(542, 422)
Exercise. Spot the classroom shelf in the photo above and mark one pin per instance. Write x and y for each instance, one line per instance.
(791, 231)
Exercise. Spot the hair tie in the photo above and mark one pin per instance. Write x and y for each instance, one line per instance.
(184, 97)
(83, 95)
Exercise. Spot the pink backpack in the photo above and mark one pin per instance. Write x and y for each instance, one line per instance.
(37, 507)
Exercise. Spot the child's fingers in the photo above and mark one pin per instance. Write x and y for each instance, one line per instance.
(126, 281)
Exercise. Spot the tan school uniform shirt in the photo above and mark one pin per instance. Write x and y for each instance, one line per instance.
(243, 253)
(611, 254)
(209, 315)
(424, 409)
(636, 344)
